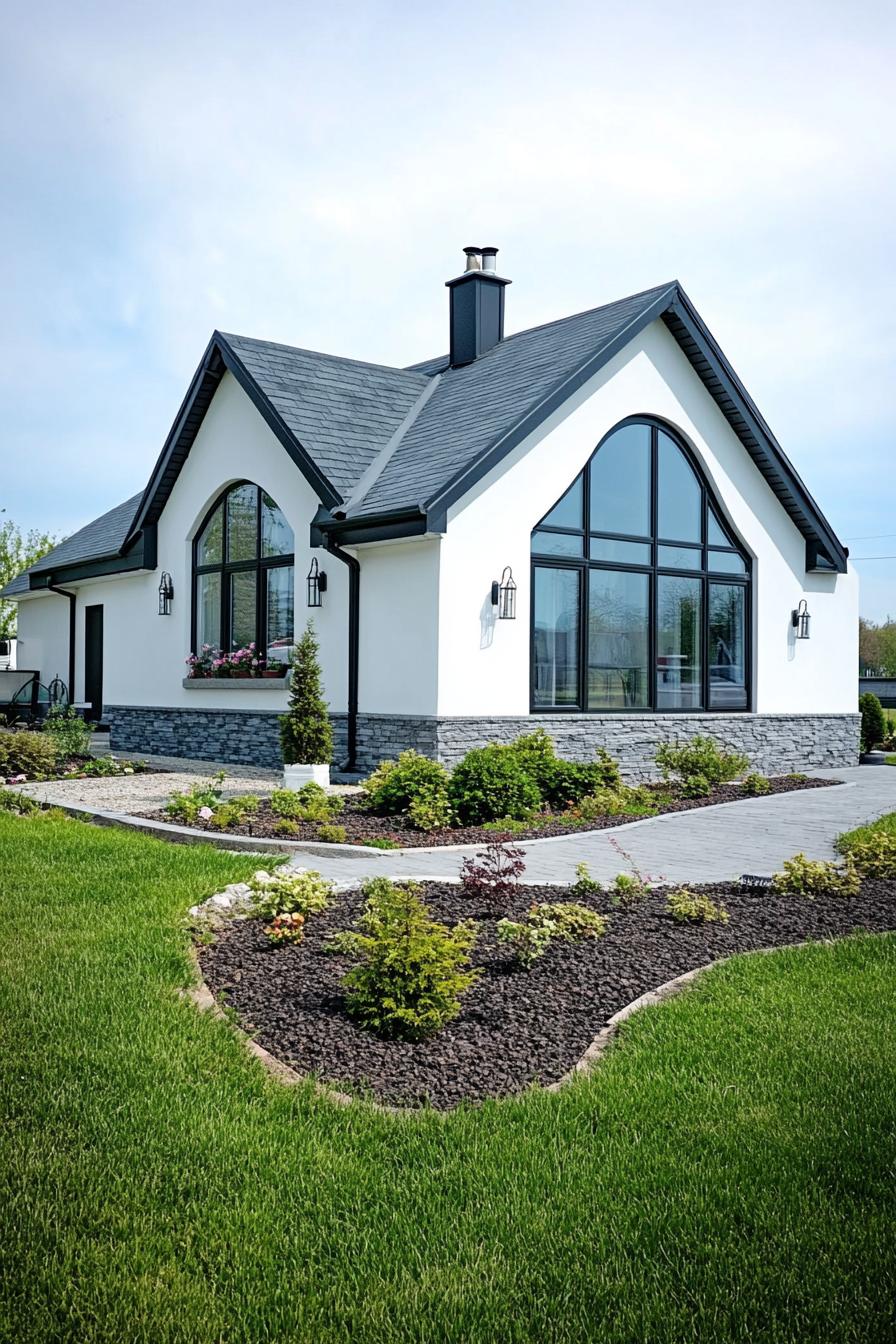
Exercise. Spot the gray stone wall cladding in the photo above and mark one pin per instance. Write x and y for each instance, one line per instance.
(774, 743)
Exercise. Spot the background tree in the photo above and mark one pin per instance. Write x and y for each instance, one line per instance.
(877, 647)
(18, 550)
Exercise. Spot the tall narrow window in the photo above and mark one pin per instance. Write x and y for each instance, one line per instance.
(641, 594)
(243, 575)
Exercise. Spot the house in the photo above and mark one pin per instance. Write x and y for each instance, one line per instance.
(587, 526)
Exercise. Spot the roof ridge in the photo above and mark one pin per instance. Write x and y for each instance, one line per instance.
(318, 354)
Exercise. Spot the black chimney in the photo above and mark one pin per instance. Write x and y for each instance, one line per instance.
(477, 307)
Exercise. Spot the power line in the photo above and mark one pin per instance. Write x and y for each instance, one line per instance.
(877, 536)
(872, 557)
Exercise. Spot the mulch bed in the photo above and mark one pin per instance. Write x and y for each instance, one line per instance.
(362, 827)
(517, 1027)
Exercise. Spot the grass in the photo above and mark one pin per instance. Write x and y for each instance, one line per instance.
(726, 1174)
(883, 825)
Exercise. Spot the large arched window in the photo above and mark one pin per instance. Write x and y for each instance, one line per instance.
(640, 594)
(243, 575)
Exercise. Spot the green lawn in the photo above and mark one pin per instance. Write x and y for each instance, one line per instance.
(726, 1174)
(885, 824)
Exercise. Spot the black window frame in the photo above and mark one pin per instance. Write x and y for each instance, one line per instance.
(260, 563)
(584, 564)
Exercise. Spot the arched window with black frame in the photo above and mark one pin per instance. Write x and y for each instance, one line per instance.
(640, 592)
(243, 568)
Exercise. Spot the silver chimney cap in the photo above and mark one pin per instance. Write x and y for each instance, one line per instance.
(473, 255)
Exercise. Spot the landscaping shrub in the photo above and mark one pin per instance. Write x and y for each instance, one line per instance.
(382, 842)
(506, 826)
(608, 802)
(699, 764)
(286, 827)
(309, 803)
(17, 802)
(585, 884)
(494, 872)
(69, 731)
(492, 782)
(810, 877)
(561, 782)
(287, 892)
(691, 907)
(527, 940)
(873, 727)
(573, 921)
(530, 938)
(27, 753)
(394, 785)
(286, 928)
(186, 805)
(101, 767)
(430, 810)
(412, 970)
(872, 853)
(333, 835)
(755, 784)
(306, 734)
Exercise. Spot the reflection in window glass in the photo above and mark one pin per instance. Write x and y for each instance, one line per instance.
(679, 557)
(557, 543)
(620, 552)
(556, 637)
(276, 533)
(678, 654)
(727, 643)
(726, 562)
(242, 523)
(211, 542)
(680, 498)
(568, 512)
(618, 675)
(208, 610)
(715, 534)
(620, 483)
(243, 625)
(280, 613)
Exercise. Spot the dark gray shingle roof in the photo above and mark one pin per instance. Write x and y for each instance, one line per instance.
(342, 411)
(475, 405)
(104, 536)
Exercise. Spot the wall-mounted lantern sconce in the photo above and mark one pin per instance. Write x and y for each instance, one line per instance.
(504, 596)
(799, 619)
(317, 584)
(166, 593)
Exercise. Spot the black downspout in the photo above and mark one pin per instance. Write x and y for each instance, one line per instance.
(349, 766)
(72, 629)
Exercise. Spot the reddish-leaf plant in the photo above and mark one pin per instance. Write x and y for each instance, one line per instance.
(494, 872)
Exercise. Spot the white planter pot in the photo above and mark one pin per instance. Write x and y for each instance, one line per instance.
(294, 776)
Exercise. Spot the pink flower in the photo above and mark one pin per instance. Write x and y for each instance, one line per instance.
(206, 813)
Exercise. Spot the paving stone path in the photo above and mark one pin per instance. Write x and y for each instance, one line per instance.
(707, 845)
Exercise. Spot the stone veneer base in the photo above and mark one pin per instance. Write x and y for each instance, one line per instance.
(775, 743)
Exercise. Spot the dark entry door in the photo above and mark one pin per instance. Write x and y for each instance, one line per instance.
(93, 661)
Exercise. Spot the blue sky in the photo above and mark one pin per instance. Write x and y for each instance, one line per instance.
(309, 174)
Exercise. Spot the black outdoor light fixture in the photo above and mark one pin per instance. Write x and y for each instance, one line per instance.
(166, 593)
(799, 619)
(504, 596)
(317, 584)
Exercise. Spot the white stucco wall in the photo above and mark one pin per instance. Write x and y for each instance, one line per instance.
(398, 664)
(42, 643)
(484, 664)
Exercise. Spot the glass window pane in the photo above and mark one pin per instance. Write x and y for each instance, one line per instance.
(209, 550)
(680, 557)
(620, 552)
(715, 533)
(280, 613)
(568, 512)
(242, 523)
(727, 644)
(556, 637)
(678, 654)
(242, 608)
(680, 497)
(276, 533)
(618, 633)
(727, 562)
(557, 543)
(620, 483)
(208, 611)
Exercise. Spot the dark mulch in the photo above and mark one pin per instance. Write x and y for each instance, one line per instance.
(361, 826)
(516, 1027)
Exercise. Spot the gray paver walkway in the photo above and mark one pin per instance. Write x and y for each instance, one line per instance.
(707, 845)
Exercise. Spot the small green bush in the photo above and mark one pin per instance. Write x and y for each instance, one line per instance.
(585, 884)
(699, 764)
(17, 802)
(755, 784)
(333, 835)
(691, 907)
(394, 785)
(492, 782)
(309, 803)
(628, 889)
(225, 817)
(508, 825)
(612, 802)
(69, 731)
(430, 810)
(27, 753)
(873, 723)
(306, 734)
(286, 827)
(809, 877)
(381, 842)
(527, 940)
(186, 805)
(573, 921)
(873, 852)
(566, 782)
(412, 970)
(288, 892)
(531, 937)
(286, 928)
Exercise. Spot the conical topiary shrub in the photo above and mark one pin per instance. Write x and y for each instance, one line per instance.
(306, 734)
